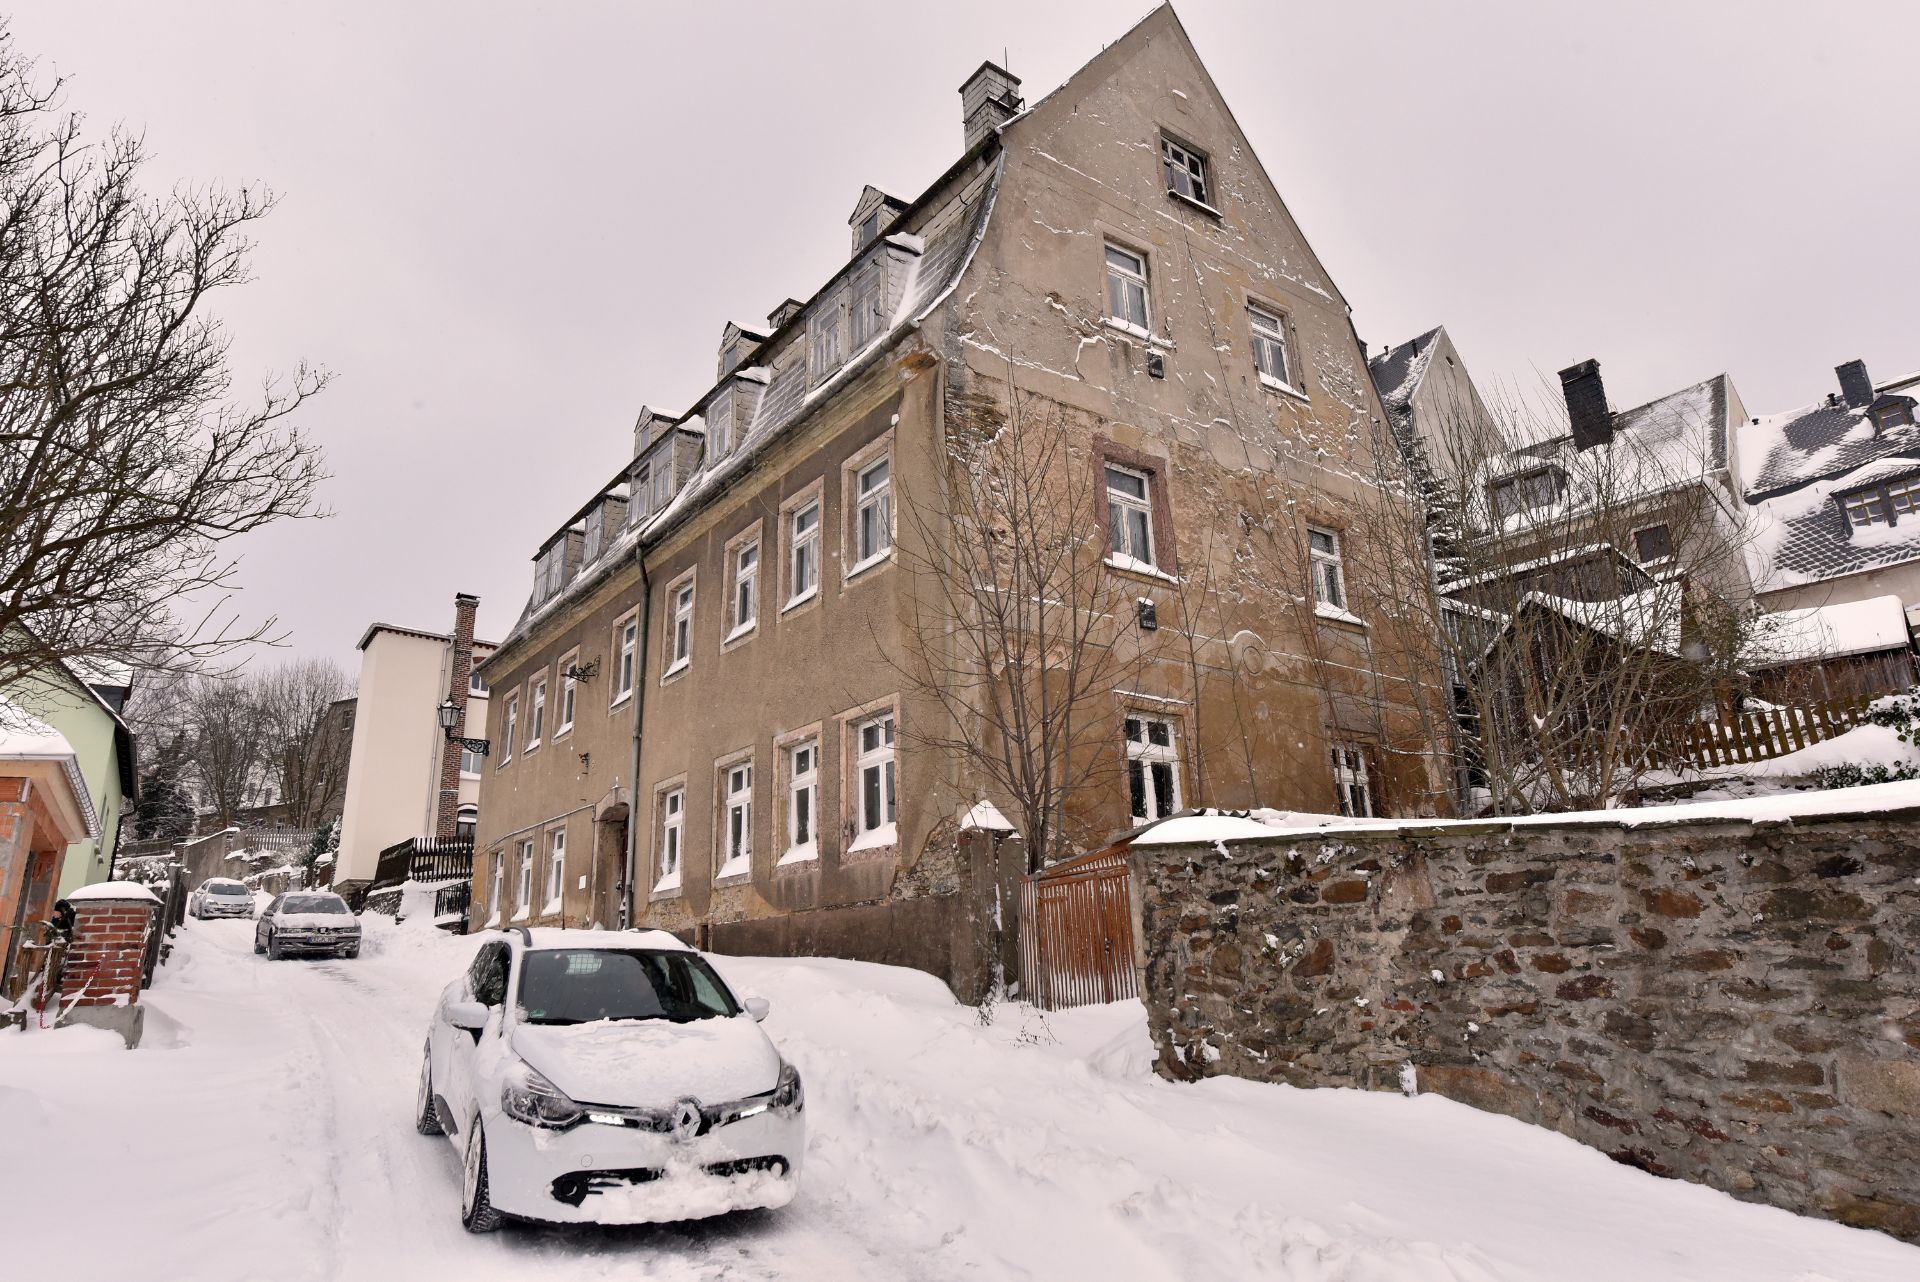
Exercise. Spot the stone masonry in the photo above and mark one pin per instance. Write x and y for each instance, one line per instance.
(1729, 1002)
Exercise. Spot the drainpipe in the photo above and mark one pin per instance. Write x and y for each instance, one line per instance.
(639, 707)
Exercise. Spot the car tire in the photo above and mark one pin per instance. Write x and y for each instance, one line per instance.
(476, 1204)
(273, 948)
(350, 953)
(426, 1118)
(258, 947)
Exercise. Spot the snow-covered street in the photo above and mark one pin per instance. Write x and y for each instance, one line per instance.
(268, 1120)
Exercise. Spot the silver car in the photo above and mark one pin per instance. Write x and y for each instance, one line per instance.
(221, 897)
(307, 922)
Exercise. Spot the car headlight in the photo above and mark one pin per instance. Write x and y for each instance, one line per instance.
(788, 1098)
(528, 1097)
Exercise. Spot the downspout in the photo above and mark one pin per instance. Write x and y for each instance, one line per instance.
(639, 707)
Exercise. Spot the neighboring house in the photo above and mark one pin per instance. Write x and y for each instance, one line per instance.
(1435, 409)
(45, 811)
(1848, 650)
(84, 705)
(724, 620)
(405, 779)
(1835, 491)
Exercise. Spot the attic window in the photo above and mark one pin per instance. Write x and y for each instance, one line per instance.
(720, 425)
(1525, 492)
(1186, 172)
(1866, 507)
(1654, 543)
(1893, 414)
(869, 227)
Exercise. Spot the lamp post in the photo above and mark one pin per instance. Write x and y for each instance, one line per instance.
(449, 715)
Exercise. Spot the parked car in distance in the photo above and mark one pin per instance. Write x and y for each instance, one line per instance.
(221, 897)
(608, 1077)
(307, 922)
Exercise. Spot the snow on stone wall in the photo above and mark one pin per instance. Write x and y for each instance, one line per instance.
(1721, 1000)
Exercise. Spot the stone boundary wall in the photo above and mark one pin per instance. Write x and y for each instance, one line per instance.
(1729, 1002)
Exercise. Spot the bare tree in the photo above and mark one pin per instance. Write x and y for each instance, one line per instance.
(228, 753)
(125, 466)
(1014, 626)
(304, 746)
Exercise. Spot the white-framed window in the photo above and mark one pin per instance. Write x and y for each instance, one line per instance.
(1352, 788)
(626, 648)
(511, 724)
(476, 684)
(466, 821)
(595, 533)
(673, 820)
(803, 801)
(536, 712)
(1130, 514)
(569, 694)
(736, 822)
(661, 484)
(1270, 347)
(1127, 289)
(1524, 492)
(746, 588)
(1153, 768)
(523, 901)
(804, 546)
(496, 886)
(1329, 574)
(868, 299)
(826, 328)
(1903, 497)
(720, 425)
(1868, 507)
(1186, 171)
(640, 507)
(876, 804)
(680, 634)
(1654, 543)
(556, 869)
(873, 512)
(470, 762)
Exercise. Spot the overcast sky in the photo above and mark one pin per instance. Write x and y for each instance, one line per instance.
(506, 226)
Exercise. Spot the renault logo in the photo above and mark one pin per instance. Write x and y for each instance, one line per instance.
(686, 1120)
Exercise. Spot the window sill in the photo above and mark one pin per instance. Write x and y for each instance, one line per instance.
(734, 871)
(563, 731)
(807, 854)
(521, 915)
(468, 775)
(674, 671)
(861, 567)
(1146, 570)
(665, 889)
(1273, 384)
(744, 630)
(1130, 329)
(1334, 614)
(1200, 205)
(884, 837)
(552, 908)
(531, 748)
(619, 699)
(794, 603)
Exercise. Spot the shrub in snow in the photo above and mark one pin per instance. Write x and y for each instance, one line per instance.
(1899, 712)
(1850, 775)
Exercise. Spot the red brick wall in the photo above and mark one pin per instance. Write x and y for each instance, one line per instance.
(104, 961)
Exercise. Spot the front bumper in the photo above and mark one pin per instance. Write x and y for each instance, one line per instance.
(316, 943)
(605, 1174)
(222, 910)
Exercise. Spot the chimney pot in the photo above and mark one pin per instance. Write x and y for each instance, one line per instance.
(1587, 411)
(989, 98)
(1854, 383)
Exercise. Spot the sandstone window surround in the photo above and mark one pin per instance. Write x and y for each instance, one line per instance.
(670, 827)
(1352, 781)
(556, 870)
(1127, 297)
(1327, 564)
(510, 727)
(800, 520)
(743, 597)
(679, 634)
(1186, 171)
(569, 693)
(496, 907)
(873, 799)
(867, 480)
(1273, 349)
(796, 756)
(1153, 767)
(523, 899)
(733, 833)
(626, 651)
(1132, 505)
(536, 711)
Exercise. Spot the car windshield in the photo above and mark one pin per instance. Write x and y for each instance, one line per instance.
(230, 888)
(579, 985)
(314, 904)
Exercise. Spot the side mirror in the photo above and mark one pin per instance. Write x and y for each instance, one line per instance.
(757, 1007)
(471, 1016)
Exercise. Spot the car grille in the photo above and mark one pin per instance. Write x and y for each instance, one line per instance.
(572, 1188)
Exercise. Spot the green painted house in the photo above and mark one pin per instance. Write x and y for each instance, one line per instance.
(86, 709)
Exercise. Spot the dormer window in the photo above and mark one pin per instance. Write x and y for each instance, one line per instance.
(720, 425)
(868, 298)
(1525, 492)
(1888, 504)
(869, 228)
(1186, 172)
(596, 533)
(826, 329)
(1891, 414)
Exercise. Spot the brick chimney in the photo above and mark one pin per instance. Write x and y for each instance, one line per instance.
(446, 812)
(1855, 386)
(989, 99)
(1587, 405)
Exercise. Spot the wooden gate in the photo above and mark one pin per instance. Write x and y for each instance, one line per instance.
(1076, 932)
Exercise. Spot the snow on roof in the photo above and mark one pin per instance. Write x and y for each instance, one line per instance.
(112, 890)
(984, 817)
(1649, 618)
(1398, 372)
(1829, 632)
(1780, 452)
(569, 937)
(1803, 536)
(1781, 808)
(1211, 826)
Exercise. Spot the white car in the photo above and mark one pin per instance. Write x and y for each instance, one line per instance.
(221, 897)
(607, 1077)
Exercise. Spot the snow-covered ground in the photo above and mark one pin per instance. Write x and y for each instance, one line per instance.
(264, 1130)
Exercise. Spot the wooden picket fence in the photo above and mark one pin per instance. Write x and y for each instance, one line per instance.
(1766, 733)
(1076, 932)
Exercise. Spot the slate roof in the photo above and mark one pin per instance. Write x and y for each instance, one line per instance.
(1397, 374)
(1782, 452)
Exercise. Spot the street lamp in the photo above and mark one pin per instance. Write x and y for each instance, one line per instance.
(448, 716)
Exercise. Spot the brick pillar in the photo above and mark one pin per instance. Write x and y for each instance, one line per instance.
(109, 945)
(446, 812)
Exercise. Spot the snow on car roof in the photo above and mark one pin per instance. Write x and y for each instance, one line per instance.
(565, 937)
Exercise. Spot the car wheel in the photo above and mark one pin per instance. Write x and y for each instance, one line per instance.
(258, 947)
(476, 1205)
(426, 1118)
(273, 948)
